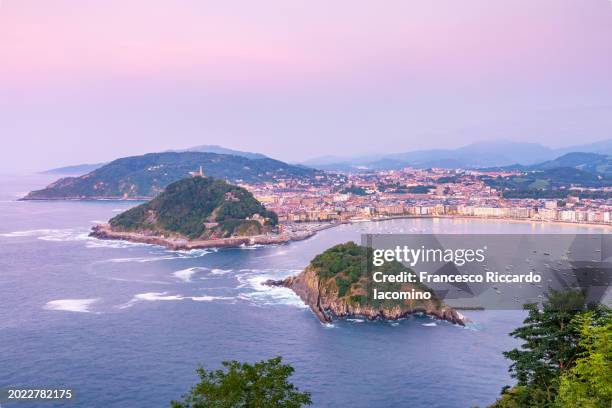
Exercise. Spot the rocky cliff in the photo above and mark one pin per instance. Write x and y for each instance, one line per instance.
(327, 298)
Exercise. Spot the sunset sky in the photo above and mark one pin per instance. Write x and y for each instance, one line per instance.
(87, 81)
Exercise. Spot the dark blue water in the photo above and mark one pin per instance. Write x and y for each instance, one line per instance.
(126, 325)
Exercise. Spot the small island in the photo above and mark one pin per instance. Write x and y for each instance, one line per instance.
(198, 212)
(335, 286)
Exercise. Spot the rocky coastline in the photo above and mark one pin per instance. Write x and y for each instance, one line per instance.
(178, 242)
(327, 306)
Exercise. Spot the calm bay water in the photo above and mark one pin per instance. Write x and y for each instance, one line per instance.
(125, 325)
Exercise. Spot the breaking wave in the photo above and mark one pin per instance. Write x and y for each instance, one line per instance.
(71, 305)
(67, 234)
(186, 274)
(165, 296)
(261, 294)
(220, 271)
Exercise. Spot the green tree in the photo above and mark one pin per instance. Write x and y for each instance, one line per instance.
(564, 360)
(550, 347)
(242, 385)
(589, 383)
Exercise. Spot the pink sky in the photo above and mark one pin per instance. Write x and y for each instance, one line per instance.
(152, 75)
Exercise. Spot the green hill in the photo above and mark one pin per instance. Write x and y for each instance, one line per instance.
(337, 284)
(591, 163)
(198, 208)
(147, 175)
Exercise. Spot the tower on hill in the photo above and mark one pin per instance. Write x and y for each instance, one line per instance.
(197, 173)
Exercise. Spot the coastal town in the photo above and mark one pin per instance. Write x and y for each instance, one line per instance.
(420, 193)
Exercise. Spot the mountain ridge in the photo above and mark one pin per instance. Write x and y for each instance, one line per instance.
(147, 175)
(81, 169)
(475, 155)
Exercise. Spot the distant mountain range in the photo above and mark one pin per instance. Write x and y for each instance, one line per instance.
(475, 155)
(554, 178)
(147, 175)
(79, 169)
(222, 150)
(75, 170)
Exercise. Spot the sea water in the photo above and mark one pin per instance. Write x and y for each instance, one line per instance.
(126, 325)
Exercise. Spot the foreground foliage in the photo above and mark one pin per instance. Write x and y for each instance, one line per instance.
(565, 358)
(242, 385)
(589, 383)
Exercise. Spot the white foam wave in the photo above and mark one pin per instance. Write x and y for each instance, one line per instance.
(268, 295)
(169, 255)
(140, 260)
(186, 274)
(28, 233)
(154, 296)
(139, 281)
(254, 246)
(432, 324)
(67, 234)
(220, 271)
(104, 243)
(209, 298)
(165, 296)
(71, 305)
(191, 253)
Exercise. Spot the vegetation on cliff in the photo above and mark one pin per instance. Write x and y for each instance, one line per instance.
(263, 384)
(565, 358)
(147, 175)
(198, 208)
(339, 283)
(345, 271)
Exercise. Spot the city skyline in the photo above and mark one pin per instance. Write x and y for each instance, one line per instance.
(93, 82)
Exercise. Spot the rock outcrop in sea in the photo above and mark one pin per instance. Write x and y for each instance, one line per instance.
(322, 293)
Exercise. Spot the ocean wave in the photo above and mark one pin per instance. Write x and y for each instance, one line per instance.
(254, 246)
(268, 295)
(28, 233)
(139, 281)
(432, 324)
(165, 296)
(209, 298)
(140, 259)
(71, 305)
(216, 271)
(167, 255)
(115, 244)
(186, 274)
(191, 253)
(246, 276)
(67, 234)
